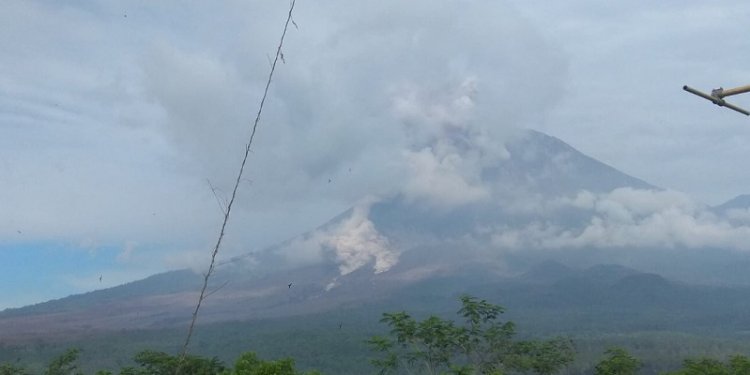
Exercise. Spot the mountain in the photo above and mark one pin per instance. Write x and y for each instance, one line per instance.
(741, 202)
(397, 252)
(546, 272)
(551, 167)
(156, 285)
(539, 167)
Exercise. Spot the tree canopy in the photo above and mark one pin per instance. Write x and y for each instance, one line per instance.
(618, 362)
(482, 344)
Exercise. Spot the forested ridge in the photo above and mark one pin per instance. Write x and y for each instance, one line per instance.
(476, 340)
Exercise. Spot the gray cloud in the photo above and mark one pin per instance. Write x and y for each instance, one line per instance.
(624, 104)
(340, 100)
(109, 125)
(369, 101)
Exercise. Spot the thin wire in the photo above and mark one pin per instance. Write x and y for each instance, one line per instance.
(211, 267)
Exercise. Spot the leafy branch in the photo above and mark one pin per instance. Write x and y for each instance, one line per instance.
(481, 345)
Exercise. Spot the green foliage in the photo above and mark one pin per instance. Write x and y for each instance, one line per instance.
(65, 364)
(542, 357)
(250, 364)
(8, 369)
(482, 344)
(160, 363)
(318, 342)
(618, 362)
(738, 365)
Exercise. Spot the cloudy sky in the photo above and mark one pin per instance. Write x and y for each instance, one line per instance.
(117, 117)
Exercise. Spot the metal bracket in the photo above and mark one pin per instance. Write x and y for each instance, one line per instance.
(717, 96)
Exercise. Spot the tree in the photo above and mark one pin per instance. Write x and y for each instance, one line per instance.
(542, 357)
(250, 364)
(738, 365)
(65, 364)
(160, 363)
(482, 344)
(8, 369)
(618, 362)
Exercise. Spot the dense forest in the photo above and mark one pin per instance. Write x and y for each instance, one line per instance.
(479, 341)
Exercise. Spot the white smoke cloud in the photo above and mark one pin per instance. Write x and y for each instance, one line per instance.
(355, 78)
(353, 243)
(629, 217)
(442, 115)
(447, 148)
(443, 181)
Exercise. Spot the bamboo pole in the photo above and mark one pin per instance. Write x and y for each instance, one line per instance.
(717, 99)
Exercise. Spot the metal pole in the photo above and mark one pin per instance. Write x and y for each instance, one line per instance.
(718, 100)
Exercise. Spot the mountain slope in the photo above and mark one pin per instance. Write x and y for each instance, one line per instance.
(739, 202)
(552, 167)
(539, 167)
(393, 251)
